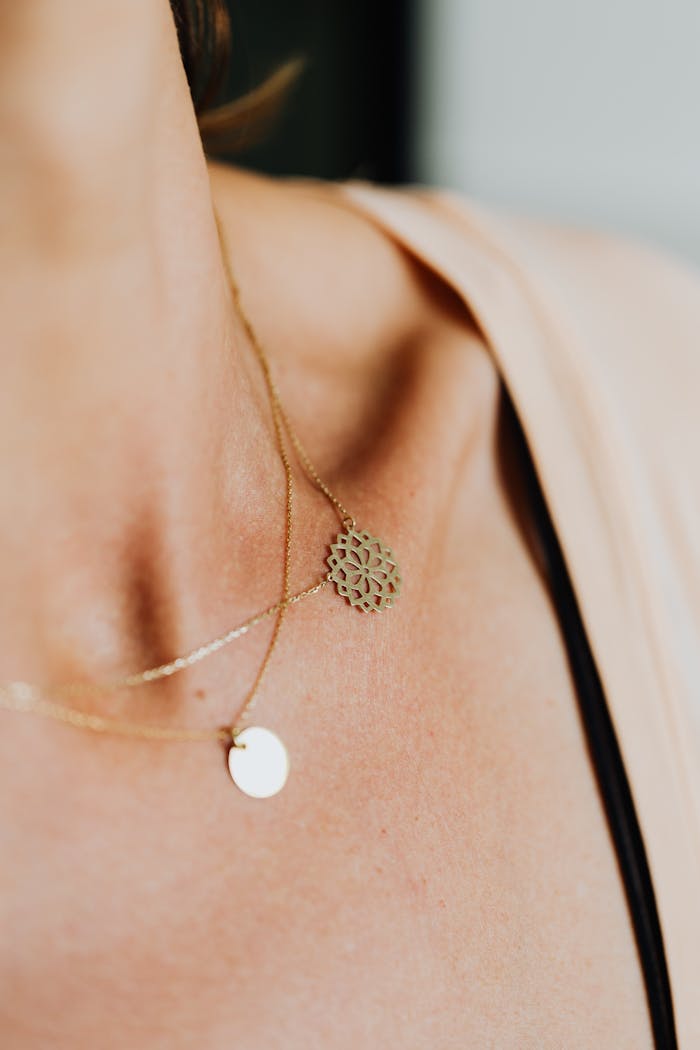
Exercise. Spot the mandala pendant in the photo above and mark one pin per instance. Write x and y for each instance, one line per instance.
(258, 762)
(363, 570)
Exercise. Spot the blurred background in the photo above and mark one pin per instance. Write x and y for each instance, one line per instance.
(586, 113)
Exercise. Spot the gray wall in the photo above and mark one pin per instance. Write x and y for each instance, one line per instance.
(586, 111)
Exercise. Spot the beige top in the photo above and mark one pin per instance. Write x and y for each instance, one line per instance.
(598, 341)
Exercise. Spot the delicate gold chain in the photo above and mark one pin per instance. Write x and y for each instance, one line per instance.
(278, 408)
(20, 696)
(15, 701)
(153, 674)
(249, 701)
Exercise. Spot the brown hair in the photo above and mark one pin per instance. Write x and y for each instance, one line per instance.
(205, 37)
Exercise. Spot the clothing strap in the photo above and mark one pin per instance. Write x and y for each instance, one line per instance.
(607, 759)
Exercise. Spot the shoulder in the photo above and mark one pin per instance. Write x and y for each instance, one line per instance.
(622, 290)
(629, 302)
(615, 313)
(338, 282)
(617, 342)
(570, 260)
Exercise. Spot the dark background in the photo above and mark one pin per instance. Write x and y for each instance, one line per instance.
(350, 113)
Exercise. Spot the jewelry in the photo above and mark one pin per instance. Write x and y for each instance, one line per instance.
(362, 568)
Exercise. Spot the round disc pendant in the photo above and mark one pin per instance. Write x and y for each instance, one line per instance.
(258, 762)
(364, 571)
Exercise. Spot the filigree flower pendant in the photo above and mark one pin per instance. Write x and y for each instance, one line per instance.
(363, 570)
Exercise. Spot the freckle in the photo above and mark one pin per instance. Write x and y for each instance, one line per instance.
(200, 694)
(379, 871)
(384, 831)
(424, 880)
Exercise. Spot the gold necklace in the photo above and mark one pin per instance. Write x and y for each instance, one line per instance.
(362, 568)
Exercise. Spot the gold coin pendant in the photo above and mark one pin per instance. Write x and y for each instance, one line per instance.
(258, 762)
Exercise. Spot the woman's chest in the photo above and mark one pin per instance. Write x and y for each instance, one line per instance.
(437, 870)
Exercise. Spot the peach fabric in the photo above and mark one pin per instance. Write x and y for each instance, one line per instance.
(598, 341)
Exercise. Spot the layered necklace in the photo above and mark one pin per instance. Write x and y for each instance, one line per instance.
(358, 564)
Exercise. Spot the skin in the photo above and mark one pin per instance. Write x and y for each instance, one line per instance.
(438, 870)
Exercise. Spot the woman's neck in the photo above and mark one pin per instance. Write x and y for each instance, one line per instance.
(135, 452)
